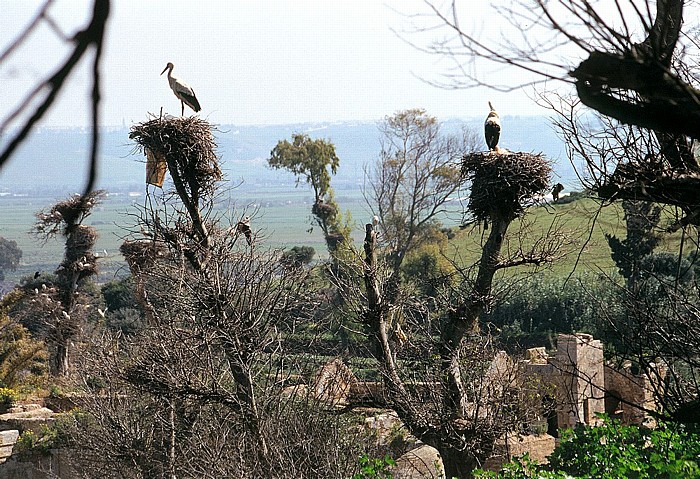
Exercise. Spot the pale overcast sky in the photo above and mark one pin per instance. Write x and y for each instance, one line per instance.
(249, 62)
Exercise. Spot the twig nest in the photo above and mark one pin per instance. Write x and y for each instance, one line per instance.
(188, 146)
(141, 255)
(503, 184)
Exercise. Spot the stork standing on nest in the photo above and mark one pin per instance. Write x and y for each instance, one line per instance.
(182, 90)
(492, 129)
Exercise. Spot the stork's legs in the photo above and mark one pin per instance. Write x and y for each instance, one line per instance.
(183, 108)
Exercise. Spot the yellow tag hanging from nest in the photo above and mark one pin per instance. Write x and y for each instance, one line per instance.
(156, 167)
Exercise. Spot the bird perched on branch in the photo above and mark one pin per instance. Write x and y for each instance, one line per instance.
(492, 129)
(182, 90)
(558, 188)
(243, 227)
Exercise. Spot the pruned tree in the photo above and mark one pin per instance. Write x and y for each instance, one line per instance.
(632, 63)
(199, 389)
(63, 304)
(442, 375)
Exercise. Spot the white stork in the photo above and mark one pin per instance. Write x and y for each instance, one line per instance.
(492, 129)
(182, 90)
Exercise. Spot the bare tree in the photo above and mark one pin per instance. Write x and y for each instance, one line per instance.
(414, 181)
(46, 91)
(444, 377)
(199, 392)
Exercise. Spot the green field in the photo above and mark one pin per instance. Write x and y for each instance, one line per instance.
(283, 218)
(582, 226)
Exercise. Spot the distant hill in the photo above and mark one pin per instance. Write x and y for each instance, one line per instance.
(54, 159)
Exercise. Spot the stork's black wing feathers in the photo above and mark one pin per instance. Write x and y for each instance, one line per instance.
(190, 100)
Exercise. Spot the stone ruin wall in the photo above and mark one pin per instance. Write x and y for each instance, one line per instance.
(583, 385)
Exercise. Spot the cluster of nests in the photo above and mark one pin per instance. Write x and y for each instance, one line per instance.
(503, 184)
(186, 145)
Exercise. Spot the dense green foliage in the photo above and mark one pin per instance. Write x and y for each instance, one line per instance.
(10, 254)
(614, 451)
(532, 311)
(375, 468)
(298, 256)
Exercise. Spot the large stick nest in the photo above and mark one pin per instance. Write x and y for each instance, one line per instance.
(503, 184)
(188, 146)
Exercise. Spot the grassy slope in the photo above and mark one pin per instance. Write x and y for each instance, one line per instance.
(582, 222)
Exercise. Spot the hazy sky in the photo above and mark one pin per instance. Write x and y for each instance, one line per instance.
(249, 62)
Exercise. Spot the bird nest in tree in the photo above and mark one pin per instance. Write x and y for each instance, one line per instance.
(504, 183)
(141, 255)
(186, 145)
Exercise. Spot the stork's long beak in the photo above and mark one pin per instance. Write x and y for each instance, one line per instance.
(164, 69)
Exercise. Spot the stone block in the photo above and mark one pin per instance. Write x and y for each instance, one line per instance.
(9, 437)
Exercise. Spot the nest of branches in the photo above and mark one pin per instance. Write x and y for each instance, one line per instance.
(141, 255)
(503, 184)
(188, 146)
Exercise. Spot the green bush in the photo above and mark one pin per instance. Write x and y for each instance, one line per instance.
(51, 436)
(615, 451)
(375, 468)
(8, 397)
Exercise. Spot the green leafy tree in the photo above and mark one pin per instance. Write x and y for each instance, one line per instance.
(298, 256)
(21, 356)
(314, 161)
(641, 219)
(10, 255)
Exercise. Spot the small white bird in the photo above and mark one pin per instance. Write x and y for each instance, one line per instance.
(43, 286)
(182, 90)
(145, 232)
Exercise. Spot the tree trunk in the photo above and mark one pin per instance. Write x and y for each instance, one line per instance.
(465, 319)
(457, 464)
(60, 361)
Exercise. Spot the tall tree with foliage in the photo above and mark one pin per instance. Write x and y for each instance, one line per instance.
(641, 220)
(314, 161)
(10, 255)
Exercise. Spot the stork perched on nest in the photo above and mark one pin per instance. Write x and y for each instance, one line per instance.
(492, 129)
(182, 90)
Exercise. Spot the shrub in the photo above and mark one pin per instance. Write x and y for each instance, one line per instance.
(8, 397)
(375, 468)
(614, 451)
